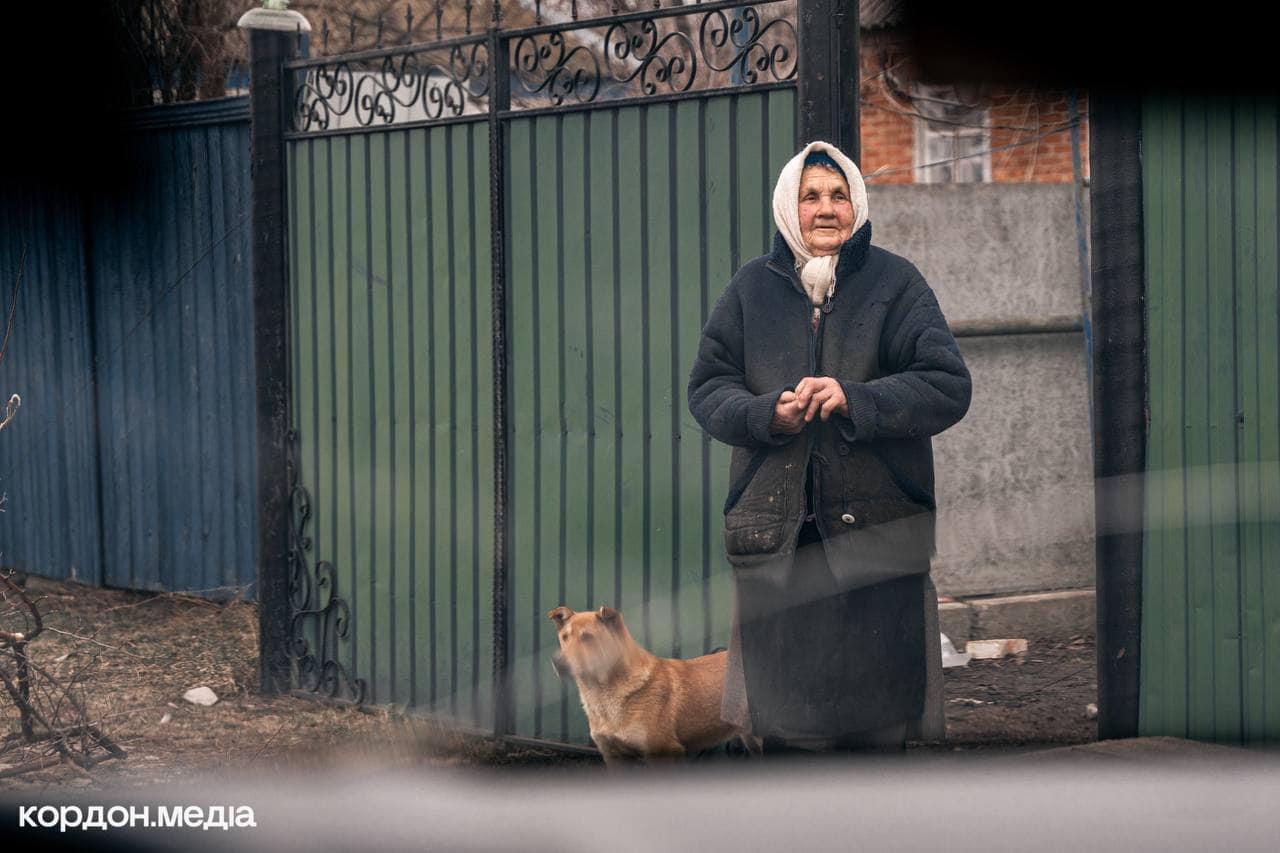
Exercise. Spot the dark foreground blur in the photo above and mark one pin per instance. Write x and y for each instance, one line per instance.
(147, 650)
(1153, 794)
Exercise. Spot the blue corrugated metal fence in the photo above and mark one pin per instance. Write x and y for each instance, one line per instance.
(131, 462)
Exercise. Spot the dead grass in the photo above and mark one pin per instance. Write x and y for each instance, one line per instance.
(138, 653)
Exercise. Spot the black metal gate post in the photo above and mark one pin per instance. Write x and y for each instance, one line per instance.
(273, 38)
(828, 75)
(1120, 399)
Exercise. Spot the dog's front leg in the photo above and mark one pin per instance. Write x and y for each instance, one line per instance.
(620, 762)
(665, 754)
(617, 754)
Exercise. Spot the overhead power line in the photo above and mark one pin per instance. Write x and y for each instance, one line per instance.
(871, 176)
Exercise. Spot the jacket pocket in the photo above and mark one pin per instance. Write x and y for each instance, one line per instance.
(868, 490)
(764, 504)
(915, 492)
(754, 540)
(888, 538)
(757, 514)
(744, 478)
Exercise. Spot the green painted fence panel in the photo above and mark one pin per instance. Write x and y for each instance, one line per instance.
(393, 405)
(626, 223)
(1210, 665)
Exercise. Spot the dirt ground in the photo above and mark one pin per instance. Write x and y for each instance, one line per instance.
(1040, 697)
(137, 653)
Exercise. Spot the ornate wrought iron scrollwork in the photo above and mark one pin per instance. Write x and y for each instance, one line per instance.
(589, 60)
(317, 609)
(668, 60)
(743, 36)
(544, 63)
(666, 51)
(426, 84)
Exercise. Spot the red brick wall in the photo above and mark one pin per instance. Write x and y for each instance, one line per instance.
(888, 136)
(1017, 117)
(1046, 159)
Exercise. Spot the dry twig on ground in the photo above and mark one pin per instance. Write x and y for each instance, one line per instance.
(46, 719)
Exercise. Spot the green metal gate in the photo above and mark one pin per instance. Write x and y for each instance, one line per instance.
(501, 249)
(646, 211)
(392, 404)
(1210, 659)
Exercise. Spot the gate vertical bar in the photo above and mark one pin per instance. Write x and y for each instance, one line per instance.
(273, 36)
(499, 101)
(828, 74)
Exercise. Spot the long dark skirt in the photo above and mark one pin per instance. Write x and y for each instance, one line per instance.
(822, 662)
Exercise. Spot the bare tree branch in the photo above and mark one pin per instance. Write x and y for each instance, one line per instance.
(52, 720)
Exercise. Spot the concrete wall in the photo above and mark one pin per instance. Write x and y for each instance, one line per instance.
(1014, 478)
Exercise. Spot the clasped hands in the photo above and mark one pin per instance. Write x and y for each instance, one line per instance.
(814, 396)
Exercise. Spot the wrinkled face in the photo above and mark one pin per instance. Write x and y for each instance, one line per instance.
(590, 643)
(826, 211)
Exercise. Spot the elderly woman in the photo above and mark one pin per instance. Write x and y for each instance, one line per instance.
(827, 365)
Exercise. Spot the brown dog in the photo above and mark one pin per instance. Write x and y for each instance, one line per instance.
(641, 707)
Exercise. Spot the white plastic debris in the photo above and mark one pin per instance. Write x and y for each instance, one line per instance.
(166, 718)
(991, 649)
(1091, 711)
(951, 657)
(200, 696)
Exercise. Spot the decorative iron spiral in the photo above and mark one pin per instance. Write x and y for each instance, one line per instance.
(576, 63)
(317, 608)
(440, 86)
(545, 64)
(744, 36)
(669, 60)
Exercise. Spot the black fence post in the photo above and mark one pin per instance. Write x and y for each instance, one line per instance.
(500, 101)
(828, 74)
(1120, 399)
(273, 39)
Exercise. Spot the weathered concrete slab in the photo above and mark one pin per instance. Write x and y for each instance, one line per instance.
(1015, 477)
(1051, 615)
(986, 249)
(954, 620)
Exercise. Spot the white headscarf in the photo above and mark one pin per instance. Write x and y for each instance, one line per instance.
(817, 273)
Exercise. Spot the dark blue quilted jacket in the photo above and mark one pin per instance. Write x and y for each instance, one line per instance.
(884, 338)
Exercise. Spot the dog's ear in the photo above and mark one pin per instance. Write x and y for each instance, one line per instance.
(609, 616)
(560, 615)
